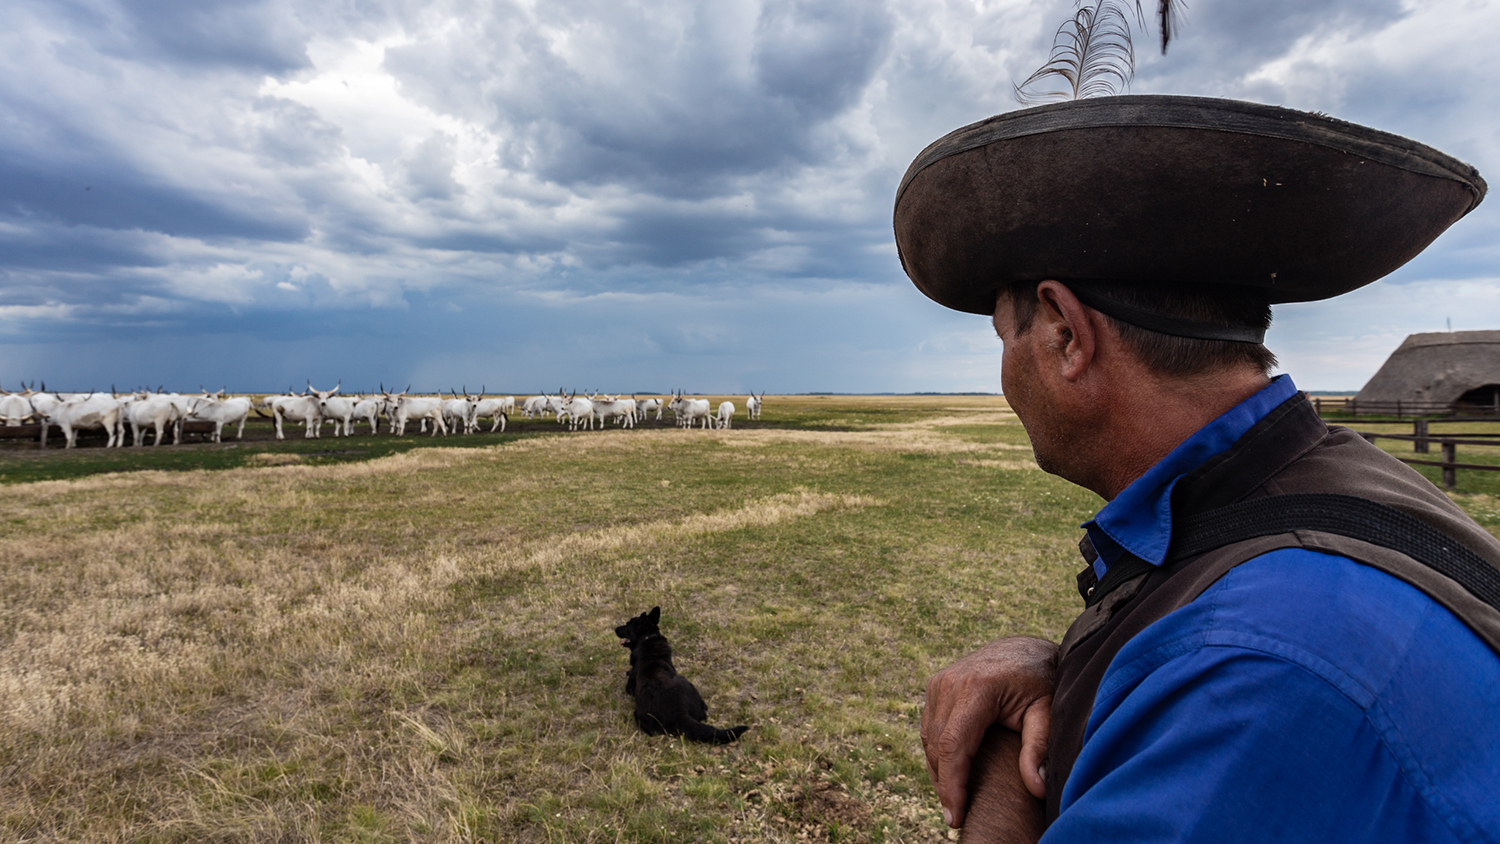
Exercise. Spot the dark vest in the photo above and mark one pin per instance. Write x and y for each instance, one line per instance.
(1288, 452)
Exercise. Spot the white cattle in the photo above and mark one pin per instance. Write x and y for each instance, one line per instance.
(94, 411)
(726, 414)
(611, 407)
(752, 405)
(369, 409)
(294, 408)
(647, 406)
(221, 411)
(15, 408)
(689, 410)
(578, 411)
(535, 406)
(184, 405)
(459, 412)
(404, 408)
(158, 411)
(498, 409)
(44, 401)
(333, 408)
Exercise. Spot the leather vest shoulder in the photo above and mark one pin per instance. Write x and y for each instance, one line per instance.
(1289, 451)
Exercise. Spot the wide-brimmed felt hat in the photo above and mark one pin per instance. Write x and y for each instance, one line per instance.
(1186, 190)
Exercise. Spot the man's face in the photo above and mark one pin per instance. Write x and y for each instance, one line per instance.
(1024, 389)
(1012, 358)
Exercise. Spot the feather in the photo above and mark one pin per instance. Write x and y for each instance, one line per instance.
(1091, 53)
(1166, 20)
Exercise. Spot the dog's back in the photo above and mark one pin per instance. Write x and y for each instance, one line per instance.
(665, 701)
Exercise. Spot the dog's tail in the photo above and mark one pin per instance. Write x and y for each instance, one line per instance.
(708, 735)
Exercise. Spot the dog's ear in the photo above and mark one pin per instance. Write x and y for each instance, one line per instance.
(655, 614)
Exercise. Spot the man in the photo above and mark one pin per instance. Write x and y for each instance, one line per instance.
(1288, 635)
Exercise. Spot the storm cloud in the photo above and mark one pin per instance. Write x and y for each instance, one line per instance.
(699, 192)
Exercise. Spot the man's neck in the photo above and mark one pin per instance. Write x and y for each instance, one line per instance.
(1143, 424)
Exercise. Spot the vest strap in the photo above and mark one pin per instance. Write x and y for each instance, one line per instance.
(1342, 515)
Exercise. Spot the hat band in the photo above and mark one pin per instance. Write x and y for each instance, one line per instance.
(1160, 323)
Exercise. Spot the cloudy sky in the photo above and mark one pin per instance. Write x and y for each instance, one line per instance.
(609, 194)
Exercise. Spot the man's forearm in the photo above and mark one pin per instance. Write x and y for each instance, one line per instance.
(1001, 809)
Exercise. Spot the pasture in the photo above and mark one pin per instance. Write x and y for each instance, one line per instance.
(414, 642)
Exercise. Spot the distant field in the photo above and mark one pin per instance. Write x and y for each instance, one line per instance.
(24, 460)
(294, 642)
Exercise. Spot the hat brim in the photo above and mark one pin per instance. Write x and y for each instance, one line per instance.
(1171, 189)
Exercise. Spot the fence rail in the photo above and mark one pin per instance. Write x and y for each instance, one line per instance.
(1355, 408)
(1421, 440)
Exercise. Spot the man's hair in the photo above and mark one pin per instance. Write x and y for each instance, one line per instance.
(1165, 354)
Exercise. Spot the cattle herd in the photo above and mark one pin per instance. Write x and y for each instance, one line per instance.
(159, 412)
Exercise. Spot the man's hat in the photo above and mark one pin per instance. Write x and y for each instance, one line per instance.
(1170, 189)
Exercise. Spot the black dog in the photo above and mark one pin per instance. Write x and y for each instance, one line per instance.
(665, 702)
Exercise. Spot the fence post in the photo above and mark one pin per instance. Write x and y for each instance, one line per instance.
(1318, 406)
(1354, 408)
(1419, 430)
(1450, 474)
(1398, 408)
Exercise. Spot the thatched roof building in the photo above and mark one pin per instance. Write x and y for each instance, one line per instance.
(1452, 369)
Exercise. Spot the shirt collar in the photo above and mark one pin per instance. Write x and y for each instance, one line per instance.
(1139, 519)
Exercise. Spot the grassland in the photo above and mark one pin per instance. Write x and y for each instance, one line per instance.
(414, 642)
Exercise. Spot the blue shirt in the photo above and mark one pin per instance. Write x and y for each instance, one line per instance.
(1302, 698)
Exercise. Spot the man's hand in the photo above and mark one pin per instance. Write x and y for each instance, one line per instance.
(1008, 682)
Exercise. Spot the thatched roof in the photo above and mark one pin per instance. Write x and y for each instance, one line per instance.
(1436, 367)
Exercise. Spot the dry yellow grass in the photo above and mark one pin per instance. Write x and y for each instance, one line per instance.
(417, 647)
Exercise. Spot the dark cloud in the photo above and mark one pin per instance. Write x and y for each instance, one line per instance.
(818, 55)
(700, 187)
(680, 104)
(705, 343)
(29, 244)
(266, 37)
(97, 191)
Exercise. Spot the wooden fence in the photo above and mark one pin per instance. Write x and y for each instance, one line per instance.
(1355, 408)
(1448, 442)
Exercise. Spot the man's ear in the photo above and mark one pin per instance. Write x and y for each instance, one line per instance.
(1072, 328)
